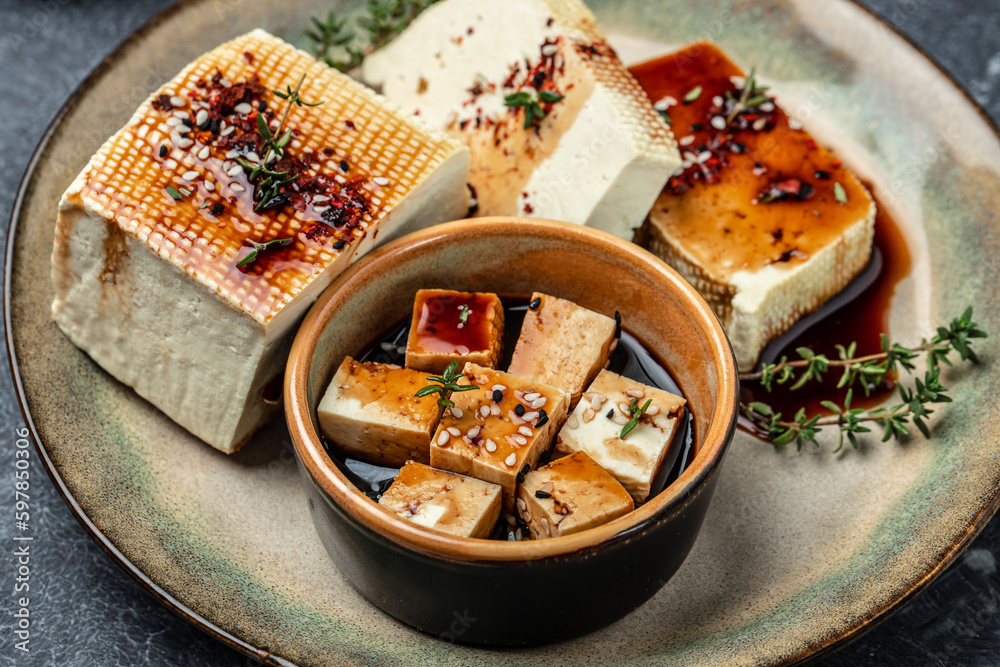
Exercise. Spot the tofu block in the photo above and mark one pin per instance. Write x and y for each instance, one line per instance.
(443, 501)
(569, 495)
(600, 154)
(498, 431)
(149, 235)
(764, 222)
(452, 326)
(562, 344)
(370, 412)
(635, 460)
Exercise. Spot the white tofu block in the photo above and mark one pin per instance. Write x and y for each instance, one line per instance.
(599, 156)
(443, 501)
(149, 235)
(370, 411)
(634, 460)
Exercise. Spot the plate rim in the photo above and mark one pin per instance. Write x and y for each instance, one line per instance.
(823, 649)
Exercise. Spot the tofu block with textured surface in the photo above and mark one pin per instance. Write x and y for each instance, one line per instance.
(443, 501)
(596, 424)
(600, 154)
(452, 326)
(149, 235)
(562, 344)
(569, 495)
(497, 432)
(762, 220)
(370, 411)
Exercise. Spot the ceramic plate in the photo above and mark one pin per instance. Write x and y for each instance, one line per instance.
(799, 552)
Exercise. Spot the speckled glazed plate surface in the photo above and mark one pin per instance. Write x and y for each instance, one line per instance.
(799, 552)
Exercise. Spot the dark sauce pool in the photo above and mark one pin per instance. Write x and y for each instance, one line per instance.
(631, 359)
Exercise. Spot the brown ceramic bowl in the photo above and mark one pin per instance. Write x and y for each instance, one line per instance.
(488, 591)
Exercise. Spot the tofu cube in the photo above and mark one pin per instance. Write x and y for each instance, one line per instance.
(443, 501)
(497, 432)
(370, 412)
(568, 495)
(449, 326)
(562, 344)
(634, 460)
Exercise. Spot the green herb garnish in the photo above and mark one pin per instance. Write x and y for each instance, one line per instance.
(259, 248)
(532, 104)
(463, 313)
(636, 413)
(693, 94)
(868, 371)
(751, 97)
(665, 116)
(839, 193)
(177, 196)
(447, 383)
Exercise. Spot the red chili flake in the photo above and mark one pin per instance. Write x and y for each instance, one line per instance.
(789, 188)
(811, 145)
(162, 103)
(248, 56)
(318, 231)
(529, 209)
(470, 30)
(349, 124)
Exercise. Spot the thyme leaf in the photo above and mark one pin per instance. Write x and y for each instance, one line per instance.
(636, 413)
(446, 384)
(258, 248)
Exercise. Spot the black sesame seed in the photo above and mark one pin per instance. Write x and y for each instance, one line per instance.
(521, 524)
(261, 105)
(525, 469)
(618, 324)
(206, 125)
(543, 419)
(542, 494)
(519, 410)
(611, 413)
(545, 456)
(187, 122)
(339, 244)
(217, 209)
(163, 150)
(213, 126)
(497, 395)
(535, 303)
(618, 317)
(822, 175)
(697, 127)
(344, 166)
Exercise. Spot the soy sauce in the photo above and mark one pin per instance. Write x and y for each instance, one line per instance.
(631, 359)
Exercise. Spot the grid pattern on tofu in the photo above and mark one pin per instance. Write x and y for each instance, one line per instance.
(387, 155)
(569, 495)
(452, 326)
(370, 412)
(443, 501)
(596, 424)
(562, 344)
(498, 431)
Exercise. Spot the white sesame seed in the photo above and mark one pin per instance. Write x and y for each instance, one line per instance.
(686, 141)
(499, 387)
(443, 438)
(380, 180)
(532, 396)
(704, 156)
(236, 187)
(457, 412)
(520, 439)
(235, 171)
(203, 153)
(231, 154)
(510, 460)
(209, 185)
(484, 410)
(529, 416)
(474, 431)
(652, 410)
(271, 157)
(170, 164)
(550, 50)
(767, 107)
(624, 408)
(792, 123)
(588, 414)
(320, 199)
(225, 83)
(521, 505)
(635, 393)
(177, 101)
(495, 410)
(597, 401)
(718, 122)
(174, 121)
(539, 402)
(454, 431)
(321, 209)
(253, 157)
(572, 422)
(589, 396)
(190, 175)
(184, 143)
(490, 445)
(182, 114)
(717, 101)
(525, 430)
(621, 420)
(665, 103)
(243, 108)
(761, 123)
(200, 119)
(738, 81)
(226, 132)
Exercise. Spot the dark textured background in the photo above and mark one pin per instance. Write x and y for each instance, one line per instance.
(87, 612)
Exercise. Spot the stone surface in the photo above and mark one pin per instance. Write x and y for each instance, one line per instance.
(85, 611)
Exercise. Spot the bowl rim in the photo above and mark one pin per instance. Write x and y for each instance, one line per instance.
(324, 472)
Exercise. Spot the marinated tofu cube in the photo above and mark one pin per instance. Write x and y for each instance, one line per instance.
(562, 344)
(497, 432)
(370, 412)
(449, 326)
(443, 501)
(568, 495)
(596, 425)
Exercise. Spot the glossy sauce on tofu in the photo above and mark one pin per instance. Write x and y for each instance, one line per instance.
(442, 328)
(631, 359)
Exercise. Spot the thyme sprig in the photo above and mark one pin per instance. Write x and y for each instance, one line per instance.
(636, 413)
(259, 248)
(268, 182)
(447, 383)
(340, 46)
(534, 112)
(751, 97)
(868, 371)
